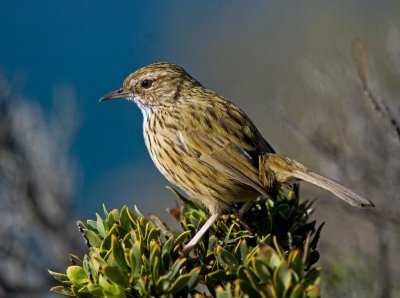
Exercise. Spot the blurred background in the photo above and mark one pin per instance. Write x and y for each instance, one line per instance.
(320, 80)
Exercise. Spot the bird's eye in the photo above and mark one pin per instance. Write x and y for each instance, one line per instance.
(146, 83)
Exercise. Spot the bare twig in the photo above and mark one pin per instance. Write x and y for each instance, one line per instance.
(379, 105)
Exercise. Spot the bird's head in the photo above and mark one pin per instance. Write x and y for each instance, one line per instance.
(158, 84)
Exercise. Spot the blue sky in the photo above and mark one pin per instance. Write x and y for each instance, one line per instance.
(88, 46)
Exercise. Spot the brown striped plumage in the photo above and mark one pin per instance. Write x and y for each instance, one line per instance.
(207, 146)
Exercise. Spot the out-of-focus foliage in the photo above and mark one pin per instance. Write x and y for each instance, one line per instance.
(359, 143)
(36, 190)
(131, 255)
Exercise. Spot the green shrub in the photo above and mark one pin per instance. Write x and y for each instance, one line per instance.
(131, 255)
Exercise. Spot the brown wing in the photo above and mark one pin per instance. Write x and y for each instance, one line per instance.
(225, 139)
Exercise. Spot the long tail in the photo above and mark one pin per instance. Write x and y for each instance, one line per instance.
(338, 190)
(287, 169)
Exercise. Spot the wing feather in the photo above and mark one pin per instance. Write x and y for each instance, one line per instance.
(227, 141)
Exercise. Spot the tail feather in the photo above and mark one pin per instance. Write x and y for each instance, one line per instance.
(286, 170)
(340, 191)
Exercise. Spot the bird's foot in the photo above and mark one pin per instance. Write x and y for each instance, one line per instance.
(239, 217)
(186, 251)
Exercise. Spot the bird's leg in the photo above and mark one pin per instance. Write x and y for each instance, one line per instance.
(246, 207)
(241, 213)
(200, 233)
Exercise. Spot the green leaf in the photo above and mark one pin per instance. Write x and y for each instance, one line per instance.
(124, 220)
(282, 277)
(182, 237)
(135, 257)
(60, 276)
(175, 267)
(100, 226)
(117, 254)
(137, 212)
(159, 224)
(84, 292)
(295, 262)
(92, 237)
(313, 291)
(154, 259)
(133, 219)
(222, 293)
(162, 284)
(62, 290)
(261, 269)
(251, 278)
(227, 230)
(167, 251)
(271, 292)
(217, 275)
(144, 229)
(86, 265)
(97, 261)
(115, 214)
(194, 278)
(110, 221)
(279, 250)
(179, 284)
(111, 290)
(155, 268)
(107, 241)
(243, 249)
(227, 259)
(74, 258)
(297, 291)
(105, 210)
(269, 256)
(115, 274)
(127, 241)
(247, 288)
(312, 277)
(95, 290)
(91, 224)
(153, 235)
(77, 275)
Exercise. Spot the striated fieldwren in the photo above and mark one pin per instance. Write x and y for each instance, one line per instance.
(208, 147)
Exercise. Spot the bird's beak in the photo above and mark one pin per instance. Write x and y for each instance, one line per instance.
(119, 93)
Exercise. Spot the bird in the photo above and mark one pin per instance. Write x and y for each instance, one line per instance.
(208, 147)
